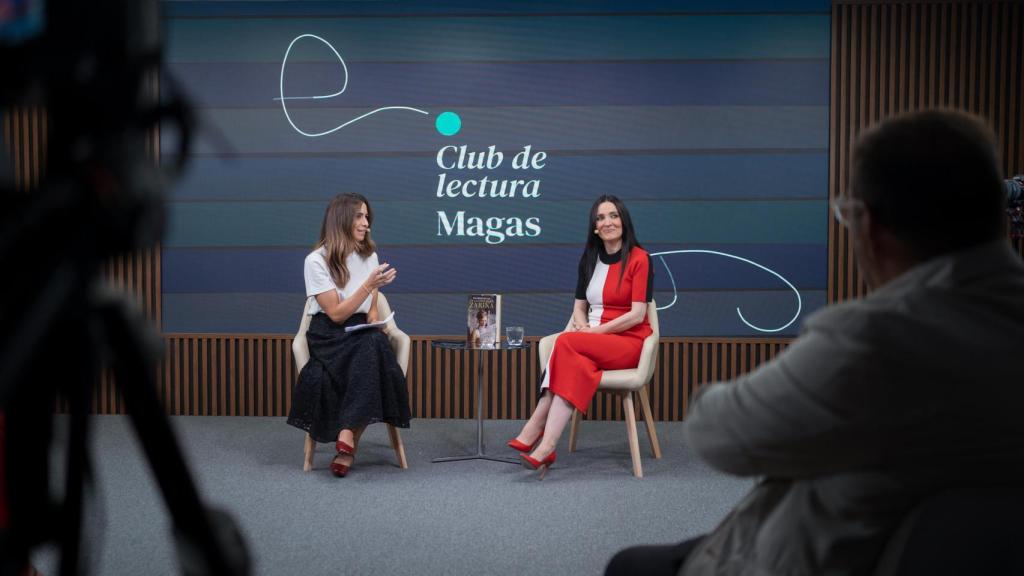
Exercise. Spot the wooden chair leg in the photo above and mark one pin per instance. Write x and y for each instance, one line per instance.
(652, 434)
(396, 443)
(634, 444)
(308, 449)
(574, 429)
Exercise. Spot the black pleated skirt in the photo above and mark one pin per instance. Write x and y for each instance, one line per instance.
(351, 380)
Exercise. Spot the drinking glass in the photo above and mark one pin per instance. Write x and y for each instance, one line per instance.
(514, 334)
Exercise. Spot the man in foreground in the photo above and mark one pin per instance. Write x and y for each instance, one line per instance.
(885, 401)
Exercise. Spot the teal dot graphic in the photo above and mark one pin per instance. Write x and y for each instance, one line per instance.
(448, 123)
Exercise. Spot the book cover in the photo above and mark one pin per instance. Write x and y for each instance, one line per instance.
(483, 320)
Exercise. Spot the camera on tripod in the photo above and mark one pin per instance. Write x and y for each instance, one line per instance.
(1015, 205)
(92, 68)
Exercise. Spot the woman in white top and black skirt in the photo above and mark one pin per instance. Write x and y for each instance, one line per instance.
(352, 379)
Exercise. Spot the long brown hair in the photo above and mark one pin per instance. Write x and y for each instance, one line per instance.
(336, 234)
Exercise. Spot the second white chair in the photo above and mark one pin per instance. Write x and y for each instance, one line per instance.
(624, 384)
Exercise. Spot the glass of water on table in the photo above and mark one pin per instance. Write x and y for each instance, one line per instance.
(514, 335)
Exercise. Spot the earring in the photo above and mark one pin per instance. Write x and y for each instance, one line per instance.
(595, 231)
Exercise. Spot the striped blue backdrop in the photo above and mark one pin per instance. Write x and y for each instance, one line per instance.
(710, 119)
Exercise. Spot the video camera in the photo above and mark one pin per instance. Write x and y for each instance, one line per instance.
(91, 70)
(1015, 205)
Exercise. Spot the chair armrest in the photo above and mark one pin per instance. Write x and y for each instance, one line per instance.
(544, 348)
(300, 351)
(300, 348)
(648, 358)
(547, 344)
(400, 343)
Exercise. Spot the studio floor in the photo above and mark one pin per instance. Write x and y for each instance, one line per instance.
(470, 517)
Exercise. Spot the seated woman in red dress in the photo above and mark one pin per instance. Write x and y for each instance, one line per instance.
(609, 324)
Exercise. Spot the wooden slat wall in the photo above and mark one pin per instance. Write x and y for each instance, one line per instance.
(218, 375)
(137, 273)
(24, 134)
(894, 57)
(888, 57)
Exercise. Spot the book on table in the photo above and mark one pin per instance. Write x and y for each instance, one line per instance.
(483, 320)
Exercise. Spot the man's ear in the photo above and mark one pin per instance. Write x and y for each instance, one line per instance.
(872, 233)
(884, 243)
(889, 254)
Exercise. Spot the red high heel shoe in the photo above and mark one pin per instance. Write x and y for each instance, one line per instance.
(533, 464)
(515, 444)
(337, 468)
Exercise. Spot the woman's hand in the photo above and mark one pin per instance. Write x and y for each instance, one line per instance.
(579, 316)
(381, 276)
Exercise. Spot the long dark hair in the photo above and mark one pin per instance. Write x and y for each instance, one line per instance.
(336, 234)
(595, 244)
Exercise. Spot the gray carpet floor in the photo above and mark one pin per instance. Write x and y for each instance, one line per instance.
(471, 517)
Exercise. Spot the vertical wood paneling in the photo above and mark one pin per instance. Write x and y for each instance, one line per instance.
(890, 58)
(207, 374)
(434, 407)
(137, 274)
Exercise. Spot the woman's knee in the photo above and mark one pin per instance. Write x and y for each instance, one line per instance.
(375, 338)
(567, 340)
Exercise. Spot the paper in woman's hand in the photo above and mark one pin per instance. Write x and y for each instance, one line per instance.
(370, 324)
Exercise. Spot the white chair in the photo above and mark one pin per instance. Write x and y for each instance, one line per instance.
(623, 383)
(399, 343)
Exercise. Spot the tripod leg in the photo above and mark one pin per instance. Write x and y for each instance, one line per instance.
(205, 550)
(78, 468)
(28, 431)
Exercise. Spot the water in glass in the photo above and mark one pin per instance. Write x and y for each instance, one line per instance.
(514, 335)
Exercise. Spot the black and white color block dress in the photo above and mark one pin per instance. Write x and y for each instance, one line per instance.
(575, 366)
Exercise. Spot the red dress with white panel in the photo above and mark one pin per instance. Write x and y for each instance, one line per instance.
(575, 366)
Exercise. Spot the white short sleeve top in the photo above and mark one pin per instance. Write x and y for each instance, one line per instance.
(318, 278)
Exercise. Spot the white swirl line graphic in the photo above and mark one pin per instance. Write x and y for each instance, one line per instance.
(675, 292)
(283, 98)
